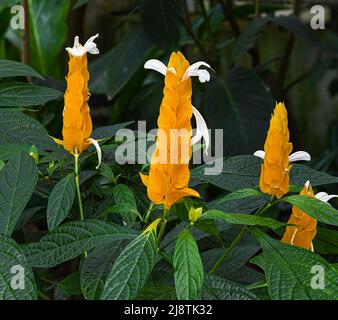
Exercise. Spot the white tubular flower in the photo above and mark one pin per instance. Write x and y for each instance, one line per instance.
(323, 196)
(296, 156)
(79, 50)
(201, 130)
(98, 150)
(193, 71)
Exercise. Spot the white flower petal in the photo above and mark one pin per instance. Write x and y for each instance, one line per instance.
(323, 196)
(156, 65)
(307, 184)
(299, 156)
(98, 150)
(90, 46)
(78, 50)
(312, 249)
(193, 71)
(260, 154)
(201, 130)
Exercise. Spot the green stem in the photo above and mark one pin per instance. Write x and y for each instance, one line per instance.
(76, 172)
(257, 8)
(239, 236)
(228, 250)
(163, 225)
(150, 209)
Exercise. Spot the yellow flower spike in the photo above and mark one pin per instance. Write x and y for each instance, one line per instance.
(195, 214)
(77, 123)
(168, 179)
(153, 226)
(305, 229)
(274, 178)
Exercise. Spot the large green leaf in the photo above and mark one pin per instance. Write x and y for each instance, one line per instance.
(109, 131)
(161, 20)
(18, 128)
(60, 201)
(125, 202)
(7, 150)
(326, 241)
(217, 288)
(242, 106)
(9, 68)
(131, 269)
(111, 72)
(290, 271)
(71, 239)
(12, 263)
(17, 182)
(8, 3)
(244, 219)
(243, 171)
(188, 267)
(18, 94)
(240, 194)
(96, 268)
(48, 31)
(315, 208)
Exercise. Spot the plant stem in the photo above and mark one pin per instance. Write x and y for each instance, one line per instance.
(76, 172)
(150, 209)
(257, 8)
(42, 295)
(228, 250)
(164, 222)
(239, 237)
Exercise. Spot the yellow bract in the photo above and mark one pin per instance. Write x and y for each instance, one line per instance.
(274, 179)
(168, 182)
(306, 227)
(77, 123)
(195, 214)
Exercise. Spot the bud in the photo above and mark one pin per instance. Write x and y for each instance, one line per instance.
(34, 153)
(195, 214)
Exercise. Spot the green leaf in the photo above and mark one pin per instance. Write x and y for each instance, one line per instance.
(242, 105)
(96, 268)
(240, 194)
(125, 200)
(217, 288)
(18, 94)
(111, 72)
(17, 182)
(131, 269)
(238, 172)
(243, 171)
(161, 20)
(289, 271)
(60, 201)
(326, 241)
(69, 240)
(8, 3)
(315, 208)
(18, 128)
(188, 267)
(248, 37)
(244, 219)
(48, 31)
(7, 150)
(109, 131)
(157, 293)
(70, 285)
(13, 263)
(9, 68)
